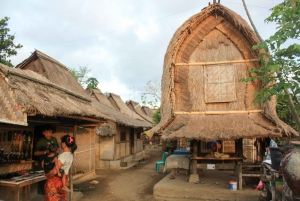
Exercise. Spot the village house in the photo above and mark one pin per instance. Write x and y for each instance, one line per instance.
(118, 141)
(203, 99)
(29, 101)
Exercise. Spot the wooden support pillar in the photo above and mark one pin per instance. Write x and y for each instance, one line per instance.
(70, 197)
(194, 177)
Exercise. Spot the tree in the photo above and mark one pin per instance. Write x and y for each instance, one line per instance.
(7, 46)
(156, 117)
(83, 79)
(152, 89)
(280, 61)
(92, 83)
(283, 110)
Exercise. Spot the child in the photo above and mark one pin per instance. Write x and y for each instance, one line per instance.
(50, 161)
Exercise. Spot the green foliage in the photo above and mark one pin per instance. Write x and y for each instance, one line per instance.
(7, 46)
(92, 83)
(83, 79)
(156, 117)
(283, 110)
(280, 69)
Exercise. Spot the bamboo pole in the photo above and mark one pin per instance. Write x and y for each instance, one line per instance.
(70, 197)
(215, 62)
(218, 112)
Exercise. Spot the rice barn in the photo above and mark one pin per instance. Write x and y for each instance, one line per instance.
(203, 99)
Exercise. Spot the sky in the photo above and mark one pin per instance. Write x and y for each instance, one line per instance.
(122, 42)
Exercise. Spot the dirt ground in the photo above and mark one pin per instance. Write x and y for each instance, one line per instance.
(133, 184)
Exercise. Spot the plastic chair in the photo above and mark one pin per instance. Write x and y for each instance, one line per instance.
(162, 162)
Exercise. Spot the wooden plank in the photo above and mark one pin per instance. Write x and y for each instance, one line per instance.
(214, 63)
(217, 159)
(218, 112)
(223, 166)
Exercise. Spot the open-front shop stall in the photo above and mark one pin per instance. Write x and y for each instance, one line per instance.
(16, 162)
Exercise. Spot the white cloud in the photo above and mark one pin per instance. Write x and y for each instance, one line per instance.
(146, 31)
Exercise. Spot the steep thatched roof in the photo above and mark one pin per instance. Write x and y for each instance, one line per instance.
(101, 105)
(53, 70)
(35, 94)
(215, 43)
(99, 96)
(120, 106)
(134, 106)
(148, 111)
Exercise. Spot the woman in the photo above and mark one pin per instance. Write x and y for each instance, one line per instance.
(54, 183)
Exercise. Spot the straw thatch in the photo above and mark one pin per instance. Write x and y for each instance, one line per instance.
(120, 106)
(148, 111)
(134, 106)
(202, 97)
(53, 71)
(99, 96)
(107, 129)
(101, 106)
(35, 94)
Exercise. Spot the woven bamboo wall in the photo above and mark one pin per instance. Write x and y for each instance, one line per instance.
(10, 109)
(249, 150)
(84, 156)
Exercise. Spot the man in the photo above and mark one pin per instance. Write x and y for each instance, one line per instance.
(41, 150)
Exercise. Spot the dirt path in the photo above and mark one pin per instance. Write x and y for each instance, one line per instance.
(133, 184)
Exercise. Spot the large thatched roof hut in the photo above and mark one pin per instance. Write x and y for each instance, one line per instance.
(202, 97)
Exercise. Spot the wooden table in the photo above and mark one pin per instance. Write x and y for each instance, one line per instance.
(248, 170)
(177, 162)
(219, 165)
(25, 184)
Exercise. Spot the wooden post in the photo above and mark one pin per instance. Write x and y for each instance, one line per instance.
(240, 176)
(70, 197)
(194, 177)
(195, 154)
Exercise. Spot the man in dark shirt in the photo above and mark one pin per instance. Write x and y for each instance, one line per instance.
(41, 149)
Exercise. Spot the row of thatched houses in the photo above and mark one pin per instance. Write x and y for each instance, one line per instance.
(202, 99)
(41, 91)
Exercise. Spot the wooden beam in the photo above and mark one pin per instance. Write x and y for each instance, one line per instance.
(218, 112)
(82, 118)
(215, 62)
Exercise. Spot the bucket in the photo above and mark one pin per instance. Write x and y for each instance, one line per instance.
(276, 157)
(232, 185)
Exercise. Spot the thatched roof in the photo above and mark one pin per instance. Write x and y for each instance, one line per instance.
(148, 111)
(53, 70)
(120, 106)
(35, 94)
(107, 129)
(99, 96)
(103, 107)
(134, 106)
(215, 43)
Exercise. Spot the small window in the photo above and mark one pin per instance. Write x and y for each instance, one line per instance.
(138, 136)
(123, 136)
(219, 84)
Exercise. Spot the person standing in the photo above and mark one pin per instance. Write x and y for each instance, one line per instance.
(41, 149)
(54, 185)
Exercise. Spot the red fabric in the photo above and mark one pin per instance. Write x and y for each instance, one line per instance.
(53, 189)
